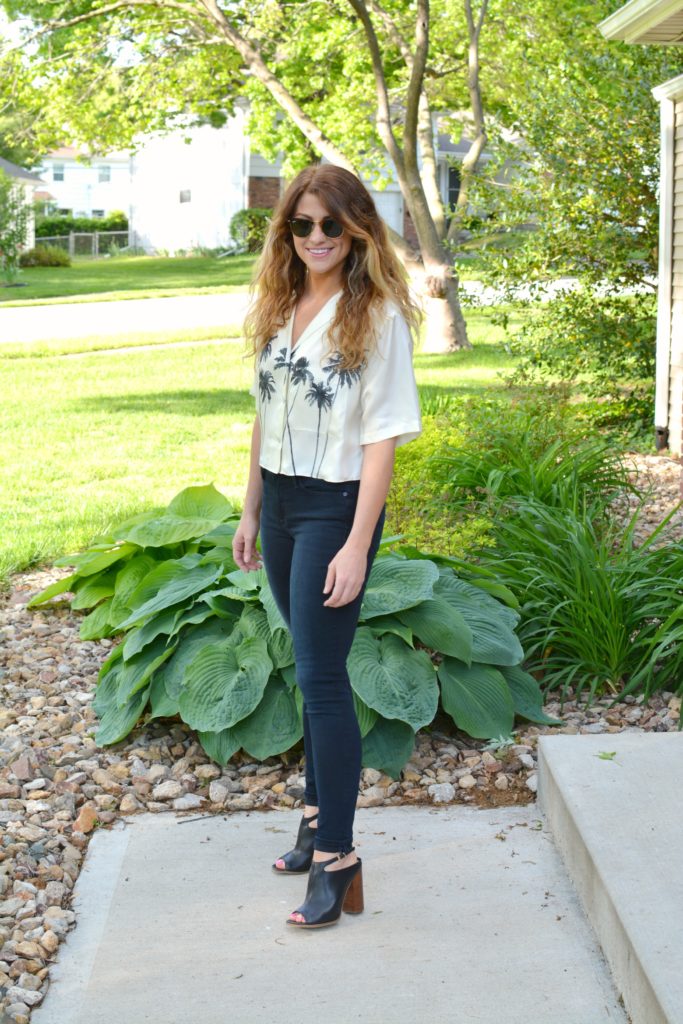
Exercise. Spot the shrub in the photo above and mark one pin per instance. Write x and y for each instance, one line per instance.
(249, 227)
(45, 256)
(598, 613)
(50, 226)
(205, 641)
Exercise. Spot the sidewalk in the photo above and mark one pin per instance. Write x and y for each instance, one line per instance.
(82, 320)
(469, 918)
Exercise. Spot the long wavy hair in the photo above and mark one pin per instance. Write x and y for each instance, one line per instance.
(372, 272)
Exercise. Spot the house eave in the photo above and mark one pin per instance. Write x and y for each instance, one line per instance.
(633, 22)
(671, 90)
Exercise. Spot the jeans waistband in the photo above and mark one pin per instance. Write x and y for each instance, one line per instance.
(297, 480)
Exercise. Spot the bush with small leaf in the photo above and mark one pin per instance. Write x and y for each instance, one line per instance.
(45, 256)
(205, 641)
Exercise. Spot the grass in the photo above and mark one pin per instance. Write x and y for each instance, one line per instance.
(88, 441)
(129, 277)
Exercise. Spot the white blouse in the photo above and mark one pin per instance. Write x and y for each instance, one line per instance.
(314, 418)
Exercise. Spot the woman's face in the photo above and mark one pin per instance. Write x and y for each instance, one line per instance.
(323, 256)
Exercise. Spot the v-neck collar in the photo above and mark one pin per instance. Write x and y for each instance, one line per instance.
(311, 325)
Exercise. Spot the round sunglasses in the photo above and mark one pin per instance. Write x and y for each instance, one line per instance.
(301, 227)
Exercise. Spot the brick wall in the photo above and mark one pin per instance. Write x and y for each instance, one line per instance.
(264, 192)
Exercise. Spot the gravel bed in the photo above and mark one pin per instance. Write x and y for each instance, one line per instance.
(57, 786)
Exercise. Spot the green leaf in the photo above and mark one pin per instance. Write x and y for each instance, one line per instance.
(366, 716)
(161, 705)
(281, 648)
(92, 561)
(275, 619)
(273, 726)
(58, 587)
(527, 696)
(397, 583)
(192, 641)
(129, 577)
(477, 698)
(219, 746)
(168, 584)
(167, 530)
(491, 623)
(440, 626)
(136, 671)
(388, 746)
(139, 637)
(96, 625)
(117, 722)
(224, 684)
(202, 501)
(391, 624)
(392, 678)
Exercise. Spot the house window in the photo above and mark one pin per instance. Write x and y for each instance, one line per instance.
(63, 212)
(453, 185)
(58, 172)
(185, 195)
(98, 213)
(103, 174)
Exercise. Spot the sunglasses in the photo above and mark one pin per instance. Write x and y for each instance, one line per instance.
(301, 227)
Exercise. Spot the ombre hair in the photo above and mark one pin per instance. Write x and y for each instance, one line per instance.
(372, 272)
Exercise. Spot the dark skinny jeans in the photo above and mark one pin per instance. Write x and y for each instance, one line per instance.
(304, 523)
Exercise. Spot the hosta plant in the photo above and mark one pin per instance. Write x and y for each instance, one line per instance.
(204, 641)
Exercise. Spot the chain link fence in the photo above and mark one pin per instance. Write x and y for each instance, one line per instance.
(88, 243)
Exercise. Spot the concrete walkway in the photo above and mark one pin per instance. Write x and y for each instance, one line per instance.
(469, 918)
(105, 319)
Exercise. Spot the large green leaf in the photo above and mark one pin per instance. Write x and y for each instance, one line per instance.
(397, 583)
(92, 560)
(477, 697)
(527, 696)
(391, 624)
(129, 577)
(201, 500)
(388, 746)
(492, 623)
(273, 726)
(464, 596)
(96, 624)
(118, 722)
(58, 587)
(90, 590)
(281, 648)
(192, 641)
(440, 626)
(168, 584)
(224, 684)
(219, 746)
(392, 678)
(138, 638)
(136, 671)
(161, 705)
(168, 530)
(275, 619)
(108, 682)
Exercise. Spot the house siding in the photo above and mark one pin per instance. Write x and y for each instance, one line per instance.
(676, 355)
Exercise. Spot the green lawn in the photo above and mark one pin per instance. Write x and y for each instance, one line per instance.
(92, 438)
(130, 277)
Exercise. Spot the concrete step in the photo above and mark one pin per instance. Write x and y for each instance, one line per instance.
(614, 805)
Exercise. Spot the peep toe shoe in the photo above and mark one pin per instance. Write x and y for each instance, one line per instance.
(299, 860)
(329, 893)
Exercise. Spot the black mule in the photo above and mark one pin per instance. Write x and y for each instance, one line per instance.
(331, 892)
(299, 860)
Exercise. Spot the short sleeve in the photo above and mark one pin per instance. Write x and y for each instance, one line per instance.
(390, 405)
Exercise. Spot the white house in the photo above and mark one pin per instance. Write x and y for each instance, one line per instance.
(661, 21)
(84, 186)
(28, 183)
(180, 190)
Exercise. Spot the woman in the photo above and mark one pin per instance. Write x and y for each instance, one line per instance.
(335, 390)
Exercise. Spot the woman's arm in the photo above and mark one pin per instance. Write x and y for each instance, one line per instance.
(244, 542)
(347, 569)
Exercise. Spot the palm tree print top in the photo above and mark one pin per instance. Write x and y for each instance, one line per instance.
(315, 417)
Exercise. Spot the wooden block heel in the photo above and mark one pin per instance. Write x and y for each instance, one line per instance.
(353, 901)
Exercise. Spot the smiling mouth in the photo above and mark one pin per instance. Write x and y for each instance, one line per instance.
(320, 252)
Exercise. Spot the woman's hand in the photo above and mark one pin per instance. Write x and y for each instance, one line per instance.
(244, 543)
(345, 574)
